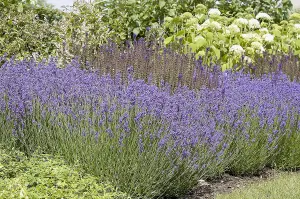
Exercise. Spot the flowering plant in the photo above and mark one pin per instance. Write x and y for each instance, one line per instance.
(248, 35)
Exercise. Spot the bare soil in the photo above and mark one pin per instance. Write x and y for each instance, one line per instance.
(226, 184)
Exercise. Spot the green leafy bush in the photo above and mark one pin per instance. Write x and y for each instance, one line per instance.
(48, 176)
(27, 29)
(278, 9)
(133, 17)
(227, 39)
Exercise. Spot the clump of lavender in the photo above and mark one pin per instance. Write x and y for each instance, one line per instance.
(149, 140)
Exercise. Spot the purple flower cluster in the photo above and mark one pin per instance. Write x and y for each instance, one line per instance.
(192, 117)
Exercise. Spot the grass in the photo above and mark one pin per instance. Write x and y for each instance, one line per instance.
(47, 176)
(286, 185)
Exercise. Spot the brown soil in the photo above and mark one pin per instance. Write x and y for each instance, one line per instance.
(209, 189)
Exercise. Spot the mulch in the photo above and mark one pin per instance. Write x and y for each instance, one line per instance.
(226, 184)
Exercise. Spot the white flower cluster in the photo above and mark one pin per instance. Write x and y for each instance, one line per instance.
(233, 28)
(204, 25)
(247, 59)
(241, 21)
(251, 36)
(263, 16)
(208, 24)
(268, 37)
(258, 47)
(264, 30)
(237, 50)
(227, 32)
(254, 23)
(297, 26)
(214, 11)
(215, 25)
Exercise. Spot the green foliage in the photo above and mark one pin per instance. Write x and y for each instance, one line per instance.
(28, 29)
(227, 39)
(130, 17)
(126, 18)
(48, 176)
(40, 32)
(23, 35)
(279, 11)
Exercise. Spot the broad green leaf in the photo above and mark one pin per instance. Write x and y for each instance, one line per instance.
(168, 40)
(161, 3)
(209, 36)
(276, 32)
(180, 33)
(200, 53)
(297, 42)
(134, 17)
(193, 47)
(171, 12)
(199, 41)
(136, 31)
(297, 52)
(176, 20)
(20, 7)
(216, 51)
(145, 16)
(225, 66)
(110, 11)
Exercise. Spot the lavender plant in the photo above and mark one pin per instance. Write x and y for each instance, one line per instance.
(149, 141)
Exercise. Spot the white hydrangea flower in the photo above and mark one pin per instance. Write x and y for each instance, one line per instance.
(251, 37)
(241, 21)
(247, 59)
(234, 28)
(227, 32)
(254, 23)
(258, 47)
(206, 24)
(215, 25)
(237, 50)
(268, 37)
(264, 30)
(214, 11)
(297, 26)
(263, 16)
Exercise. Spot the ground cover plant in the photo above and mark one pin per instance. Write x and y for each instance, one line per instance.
(48, 176)
(165, 141)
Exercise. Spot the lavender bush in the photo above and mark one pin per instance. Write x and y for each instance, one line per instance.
(150, 141)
